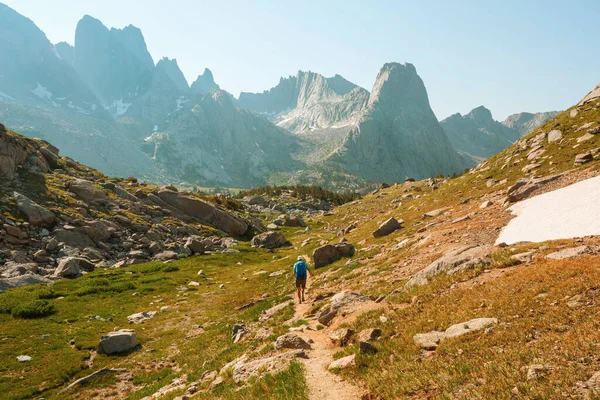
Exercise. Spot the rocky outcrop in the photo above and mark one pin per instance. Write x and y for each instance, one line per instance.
(329, 253)
(458, 260)
(431, 340)
(211, 215)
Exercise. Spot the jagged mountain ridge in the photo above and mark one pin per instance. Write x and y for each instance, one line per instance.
(526, 122)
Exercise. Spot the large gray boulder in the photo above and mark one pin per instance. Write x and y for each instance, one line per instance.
(195, 244)
(86, 190)
(205, 212)
(124, 194)
(36, 214)
(74, 238)
(117, 342)
(330, 253)
(71, 267)
(22, 280)
(269, 240)
(458, 260)
(388, 227)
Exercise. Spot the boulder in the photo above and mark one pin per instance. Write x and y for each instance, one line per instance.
(98, 231)
(257, 200)
(23, 280)
(388, 227)
(458, 260)
(554, 136)
(209, 214)
(369, 334)
(473, 325)
(195, 244)
(238, 332)
(294, 221)
(124, 194)
(86, 190)
(117, 342)
(429, 341)
(571, 252)
(340, 300)
(343, 362)
(71, 267)
(74, 238)
(583, 158)
(269, 240)
(273, 227)
(36, 214)
(166, 256)
(330, 253)
(291, 341)
(341, 337)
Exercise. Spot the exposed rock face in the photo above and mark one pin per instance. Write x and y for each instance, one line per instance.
(398, 135)
(329, 253)
(117, 342)
(269, 240)
(526, 122)
(204, 83)
(205, 212)
(455, 261)
(478, 134)
(591, 96)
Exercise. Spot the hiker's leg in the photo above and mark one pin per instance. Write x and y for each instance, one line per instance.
(299, 292)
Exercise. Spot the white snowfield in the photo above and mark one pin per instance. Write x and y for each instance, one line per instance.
(570, 212)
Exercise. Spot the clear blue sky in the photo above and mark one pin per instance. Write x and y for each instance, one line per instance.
(508, 55)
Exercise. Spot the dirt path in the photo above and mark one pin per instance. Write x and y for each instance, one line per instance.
(322, 384)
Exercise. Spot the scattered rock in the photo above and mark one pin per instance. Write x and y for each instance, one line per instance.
(23, 358)
(537, 371)
(458, 260)
(388, 227)
(86, 190)
(554, 135)
(71, 267)
(244, 370)
(340, 337)
(269, 240)
(473, 325)
(571, 252)
(583, 158)
(294, 221)
(238, 332)
(485, 204)
(344, 362)
(117, 342)
(291, 341)
(330, 253)
(36, 214)
(141, 317)
(436, 212)
(369, 334)
(429, 341)
(166, 256)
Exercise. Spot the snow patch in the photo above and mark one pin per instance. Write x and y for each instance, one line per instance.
(119, 107)
(44, 94)
(5, 97)
(180, 102)
(570, 212)
(155, 128)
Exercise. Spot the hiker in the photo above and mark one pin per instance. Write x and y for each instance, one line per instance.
(300, 270)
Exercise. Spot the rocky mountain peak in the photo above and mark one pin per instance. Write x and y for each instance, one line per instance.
(398, 86)
(481, 115)
(132, 39)
(171, 68)
(65, 51)
(204, 83)
(526, 122)
(340, 85)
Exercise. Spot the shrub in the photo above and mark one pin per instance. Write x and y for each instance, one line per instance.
(47, 293)
(33, 309)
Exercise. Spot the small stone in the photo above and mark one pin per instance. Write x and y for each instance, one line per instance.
(23, 358)
(343, 362)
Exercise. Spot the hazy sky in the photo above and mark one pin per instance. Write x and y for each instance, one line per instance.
(510, 56)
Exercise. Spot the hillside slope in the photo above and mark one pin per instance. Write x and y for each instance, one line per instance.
(500, 321)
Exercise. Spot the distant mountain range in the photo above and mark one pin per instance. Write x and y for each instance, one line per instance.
(104, 102)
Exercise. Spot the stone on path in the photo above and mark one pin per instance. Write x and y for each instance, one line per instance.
(291, 341)
(343, 362)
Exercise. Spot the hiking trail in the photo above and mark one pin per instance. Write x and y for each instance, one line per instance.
(322, 384)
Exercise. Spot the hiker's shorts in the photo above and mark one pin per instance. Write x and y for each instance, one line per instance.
(301, 283)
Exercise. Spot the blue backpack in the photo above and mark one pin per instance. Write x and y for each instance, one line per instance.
(300, 270)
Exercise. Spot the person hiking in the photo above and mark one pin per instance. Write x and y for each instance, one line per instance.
(301, 268)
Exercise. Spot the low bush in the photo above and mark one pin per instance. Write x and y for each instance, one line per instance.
(33, 309)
